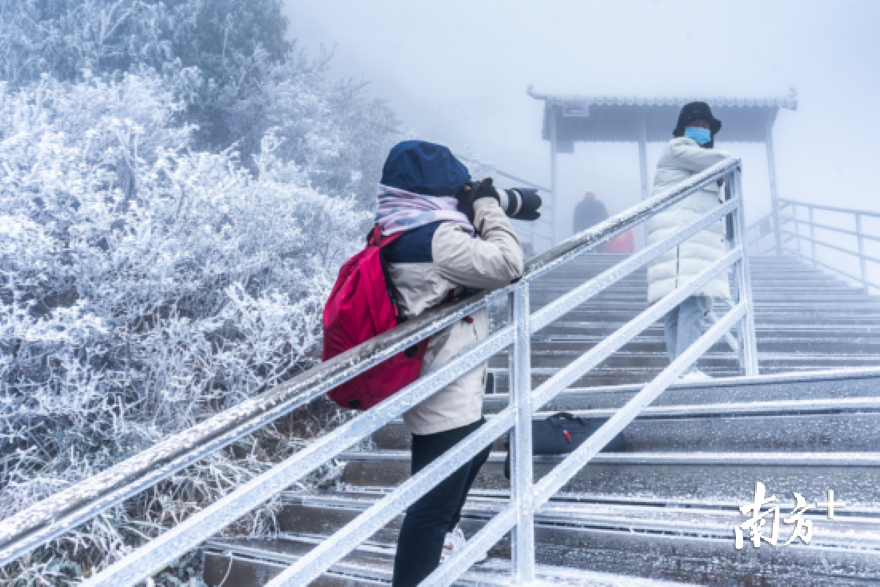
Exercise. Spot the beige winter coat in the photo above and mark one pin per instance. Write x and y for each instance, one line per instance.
(681, 159)
(428, 263)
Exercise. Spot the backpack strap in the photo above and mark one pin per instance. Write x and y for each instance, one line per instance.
(375, 239)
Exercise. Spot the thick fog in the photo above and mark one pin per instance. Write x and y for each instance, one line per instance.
(457, 71)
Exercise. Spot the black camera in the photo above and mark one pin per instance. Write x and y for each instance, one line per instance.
(517, 203)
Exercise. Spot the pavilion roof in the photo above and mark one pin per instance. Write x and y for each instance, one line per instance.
(616, 119)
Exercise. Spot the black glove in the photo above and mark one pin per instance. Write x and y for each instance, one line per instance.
(473, 191)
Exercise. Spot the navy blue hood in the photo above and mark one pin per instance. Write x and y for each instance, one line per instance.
(424, 168)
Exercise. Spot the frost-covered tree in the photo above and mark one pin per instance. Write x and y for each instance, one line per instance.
(228, 61)
(133, 308)
(178, 187)
(221, 38)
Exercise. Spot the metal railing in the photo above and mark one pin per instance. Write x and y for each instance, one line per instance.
(77, 504)
(792, 238)
(757, 235)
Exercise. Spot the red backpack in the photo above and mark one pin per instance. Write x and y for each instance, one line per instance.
(361, 306)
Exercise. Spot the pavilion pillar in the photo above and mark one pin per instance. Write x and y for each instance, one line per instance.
(643, 164)
(554, 186)
(771, 170)
(643, 153)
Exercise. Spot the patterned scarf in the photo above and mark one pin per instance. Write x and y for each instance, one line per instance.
(400, 211)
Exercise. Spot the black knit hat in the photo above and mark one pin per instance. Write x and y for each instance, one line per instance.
(694, 111)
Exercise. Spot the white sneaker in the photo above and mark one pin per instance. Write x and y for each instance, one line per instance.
(456, 541)
(695, 376)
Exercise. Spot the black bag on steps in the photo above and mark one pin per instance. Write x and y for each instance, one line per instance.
(562, 433)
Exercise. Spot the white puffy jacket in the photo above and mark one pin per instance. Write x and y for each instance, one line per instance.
(681, 159)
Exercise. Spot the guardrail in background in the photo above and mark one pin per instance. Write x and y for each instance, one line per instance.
(79, 503)
(789, 215)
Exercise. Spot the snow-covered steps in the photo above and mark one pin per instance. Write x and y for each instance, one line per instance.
(254, 562)
(824, 386)
(838, 412)
(665, 508)
(768, 343)
(556, 355)
(807, 425)
(307, 514)
(635, 368)
(670, 477)
(635, 539)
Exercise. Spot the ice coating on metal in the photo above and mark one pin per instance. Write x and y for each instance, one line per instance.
(836, 459)
(748, 347)
(731, 340)
(788, 101)
(805, 406)
(194, 530)
(559, 476)
(556, 478)
(108, 488)
(482, 541)
(810, 238)
(566, 376)
(83, 501)
(523, 543)
(579, 243)
(75, 505)
(320, 558)
(775, 459)
(578, 296)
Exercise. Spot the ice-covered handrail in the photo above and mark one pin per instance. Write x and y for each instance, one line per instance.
(77, 504)
(813, 240)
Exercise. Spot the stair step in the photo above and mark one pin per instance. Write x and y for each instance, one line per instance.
(767, 345)
(634, 374)
(564, 329)
(763, 318)
(254, 562)
(715, 477)
(836, 425)
(324, 514)
(632, 309)
(665, 508)
(810, 385)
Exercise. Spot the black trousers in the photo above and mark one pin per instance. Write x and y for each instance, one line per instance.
(427, 521)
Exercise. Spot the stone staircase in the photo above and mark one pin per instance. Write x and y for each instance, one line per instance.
(665, 509)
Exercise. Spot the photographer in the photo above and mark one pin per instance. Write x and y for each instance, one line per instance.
(457, 237)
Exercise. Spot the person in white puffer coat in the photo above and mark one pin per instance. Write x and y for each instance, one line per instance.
(689, 153)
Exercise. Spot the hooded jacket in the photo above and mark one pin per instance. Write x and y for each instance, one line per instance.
(425, 266)
(681, 159)
(429, 263)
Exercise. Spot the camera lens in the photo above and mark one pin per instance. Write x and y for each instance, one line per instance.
(520, 203)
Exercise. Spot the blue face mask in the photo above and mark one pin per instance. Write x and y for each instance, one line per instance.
(700, 135)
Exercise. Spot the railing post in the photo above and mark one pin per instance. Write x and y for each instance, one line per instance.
(812, 238)
(862, 263)
(733, 240)
(523, 543)
(748, 337)
(554, 187)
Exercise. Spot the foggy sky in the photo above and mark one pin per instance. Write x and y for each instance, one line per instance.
(456, 72)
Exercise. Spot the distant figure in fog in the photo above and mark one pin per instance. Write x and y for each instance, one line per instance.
(689, 153)
(589, 212)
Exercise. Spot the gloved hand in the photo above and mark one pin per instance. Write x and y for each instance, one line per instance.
(472, 192)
